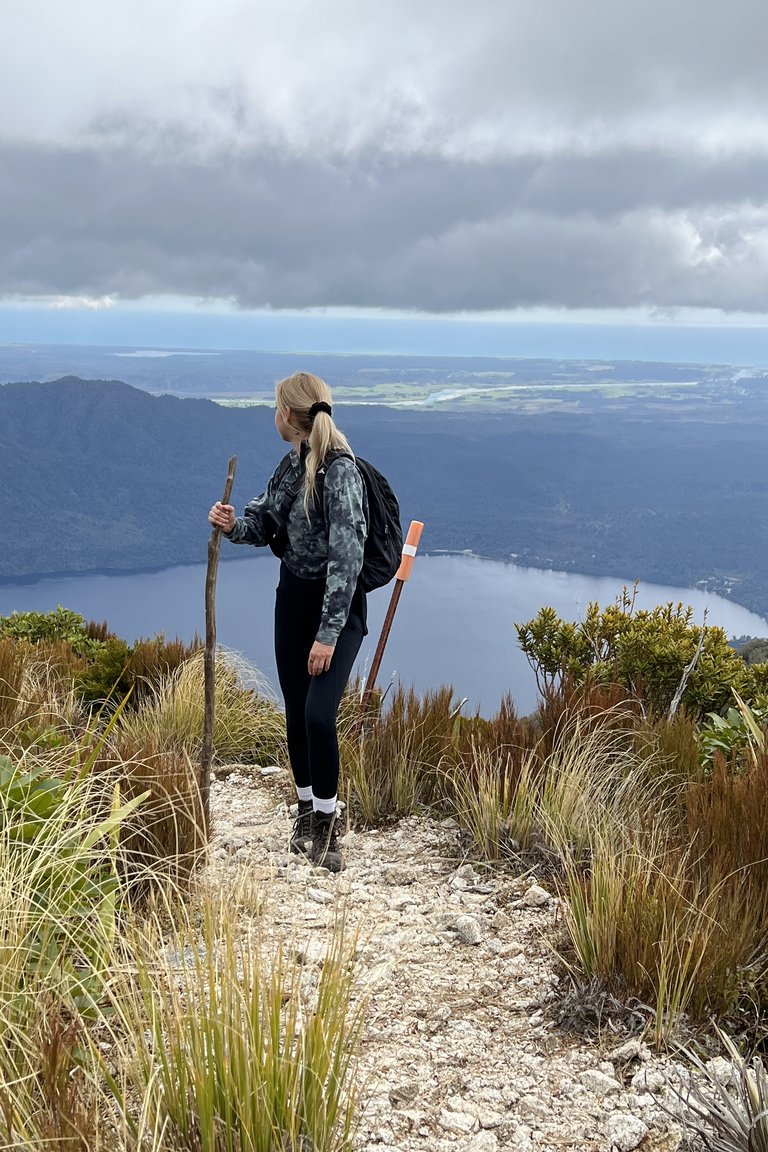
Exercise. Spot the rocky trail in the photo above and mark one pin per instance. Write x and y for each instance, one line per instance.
(460, 1049)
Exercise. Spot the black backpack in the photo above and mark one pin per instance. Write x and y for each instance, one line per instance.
(384, 542)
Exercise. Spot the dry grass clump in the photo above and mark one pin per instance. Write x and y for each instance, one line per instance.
(59, 898)
(492, 806)
(671, 902)
(164, 840)
(37, 698)
(565, 787)
(643, 918)
(396, 768)
(248, 724)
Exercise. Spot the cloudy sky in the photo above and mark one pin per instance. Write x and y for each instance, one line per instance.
(534, 158)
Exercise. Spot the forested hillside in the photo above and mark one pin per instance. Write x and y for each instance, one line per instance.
(100, 475)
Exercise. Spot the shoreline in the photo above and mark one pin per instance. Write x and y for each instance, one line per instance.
(510, 561)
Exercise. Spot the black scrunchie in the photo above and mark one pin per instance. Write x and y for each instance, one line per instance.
(320, 406)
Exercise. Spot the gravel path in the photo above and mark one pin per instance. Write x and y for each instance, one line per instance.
(459, 1052)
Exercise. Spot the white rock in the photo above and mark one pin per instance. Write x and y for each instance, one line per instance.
(648, 1080)
(599, 1083)
(468, 929)
(462, 1122)
(625, 1132)
(638, 1101)
(270, 770)
(320, 896)
(514, 966)
(531, 1107)
(404, 1093)
(482, 1142)
(535, 897)
(721, 1070)
(626, 1052)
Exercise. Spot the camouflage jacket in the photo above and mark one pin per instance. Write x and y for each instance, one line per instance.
(328, 545)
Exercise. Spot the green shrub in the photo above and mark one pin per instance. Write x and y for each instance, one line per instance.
(47, 627)
(106, 675)
(104, 667)
(647, 652)
(116, 669)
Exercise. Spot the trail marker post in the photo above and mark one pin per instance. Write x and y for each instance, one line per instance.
(209, 654)
(401, 576)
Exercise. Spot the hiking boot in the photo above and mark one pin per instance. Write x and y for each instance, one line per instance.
(301, 836)
(326, 852)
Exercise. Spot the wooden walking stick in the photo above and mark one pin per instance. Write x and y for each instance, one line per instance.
(209, 655)
(402, 574)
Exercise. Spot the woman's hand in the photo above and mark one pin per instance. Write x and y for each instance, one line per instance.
(320, 657)
(222, 516)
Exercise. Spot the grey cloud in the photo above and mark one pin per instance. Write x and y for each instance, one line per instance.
(437, 76)
(439, 156)
(614, 229)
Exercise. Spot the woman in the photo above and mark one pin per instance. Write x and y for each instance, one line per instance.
(320, 609)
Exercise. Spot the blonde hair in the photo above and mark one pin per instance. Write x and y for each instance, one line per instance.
(299, 392)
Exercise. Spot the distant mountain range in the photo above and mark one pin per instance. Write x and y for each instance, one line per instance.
(100, 475)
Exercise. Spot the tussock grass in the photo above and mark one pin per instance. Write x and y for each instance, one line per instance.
(415, 750)
(181, 1027)
(671, 918)
(164, 841)
(491, 806)
(226, 1042)
(584, 775)
(640, 917)
(37, 697)
(58, 919)
(248, 723)
(594, 782)
(397, 767)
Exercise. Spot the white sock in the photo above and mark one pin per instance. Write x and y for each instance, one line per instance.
(304, 795)
(326, 806)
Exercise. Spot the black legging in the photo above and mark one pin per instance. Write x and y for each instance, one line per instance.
(312, 702)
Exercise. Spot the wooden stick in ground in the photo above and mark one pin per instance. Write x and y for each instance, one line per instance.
(209, 654)
(401, 576)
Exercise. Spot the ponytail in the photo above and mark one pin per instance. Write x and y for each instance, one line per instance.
(309, 399)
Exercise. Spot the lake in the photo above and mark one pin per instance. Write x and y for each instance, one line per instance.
(454, 624)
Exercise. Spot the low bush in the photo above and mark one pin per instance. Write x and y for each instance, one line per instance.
(649, 653)
(103, 666)
(62, 625)
(116, 669)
